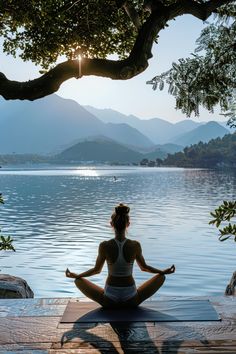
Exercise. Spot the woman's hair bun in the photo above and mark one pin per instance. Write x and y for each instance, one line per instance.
(122, 209)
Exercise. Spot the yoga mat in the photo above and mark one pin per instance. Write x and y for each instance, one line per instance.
(155, 311)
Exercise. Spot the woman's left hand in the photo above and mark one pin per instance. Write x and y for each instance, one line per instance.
(170, 270)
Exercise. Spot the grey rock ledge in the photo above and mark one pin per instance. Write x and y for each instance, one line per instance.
(14, 288)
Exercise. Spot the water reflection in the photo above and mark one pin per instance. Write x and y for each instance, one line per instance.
(58, 217)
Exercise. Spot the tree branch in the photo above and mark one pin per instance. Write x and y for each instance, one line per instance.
(199, 10)
(133, 15)
(130, 11)
(52, 80)
(125, 69)
(152, 5)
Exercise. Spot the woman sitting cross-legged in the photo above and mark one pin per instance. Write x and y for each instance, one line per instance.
(120, 254)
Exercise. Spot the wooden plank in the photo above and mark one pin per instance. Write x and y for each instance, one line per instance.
(130, 350)
(32, 307)
(135, 347)
(147, 344)
(148, 350)
(151, 348)
(69, 326)
(25, 346)
(190, 331)
(173, 350)
(25, 351)
(86, 351)
(25, 334)
(29, 330)
(44, 329)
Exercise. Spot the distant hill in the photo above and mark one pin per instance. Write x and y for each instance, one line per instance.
(125, 134)
(203, 133)
(103, 149)
(219, 152)
(48, 125)
(100, 150)
(161, 151)
(158, 130)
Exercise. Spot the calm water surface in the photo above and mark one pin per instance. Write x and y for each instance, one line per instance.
(59, 216)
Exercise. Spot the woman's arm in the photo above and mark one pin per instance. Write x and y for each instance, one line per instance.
(146, 268)
(95, 270)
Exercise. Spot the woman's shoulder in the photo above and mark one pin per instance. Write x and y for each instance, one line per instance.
(133, 243)
(107, 243)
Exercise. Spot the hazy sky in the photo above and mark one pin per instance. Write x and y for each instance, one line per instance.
(132, 96)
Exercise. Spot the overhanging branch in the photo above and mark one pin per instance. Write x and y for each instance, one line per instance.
(52, 80)
(125, 69)
(199, 10)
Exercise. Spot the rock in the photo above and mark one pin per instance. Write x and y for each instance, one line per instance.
(230, 289)
(14, 287)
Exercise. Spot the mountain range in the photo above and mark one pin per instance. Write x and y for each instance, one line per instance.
(49, 125)
(53, 124)
(159, 131)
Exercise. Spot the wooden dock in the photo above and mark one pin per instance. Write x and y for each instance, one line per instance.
(33, 326)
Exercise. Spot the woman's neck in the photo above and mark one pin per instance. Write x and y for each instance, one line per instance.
(120, 235)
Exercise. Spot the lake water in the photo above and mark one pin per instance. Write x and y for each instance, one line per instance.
(59, 216)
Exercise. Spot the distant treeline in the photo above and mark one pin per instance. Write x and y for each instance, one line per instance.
(219, 152)
(22, 159)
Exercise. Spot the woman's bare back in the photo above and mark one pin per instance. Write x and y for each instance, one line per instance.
(111, 251)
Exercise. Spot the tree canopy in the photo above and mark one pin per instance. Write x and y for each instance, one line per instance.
(44, 31)
(208, 77)
(221, 219)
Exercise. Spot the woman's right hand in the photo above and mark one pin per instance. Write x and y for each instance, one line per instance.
(69, 274)
(169, 270)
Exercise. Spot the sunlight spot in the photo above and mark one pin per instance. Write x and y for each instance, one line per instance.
(87, 172)
(80, 60)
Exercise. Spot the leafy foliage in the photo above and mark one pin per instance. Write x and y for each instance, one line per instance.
(216, 153)
(6, 244)
(47, 32)
(224, 213)
(5, 241)
(44, 30)
(208, 77)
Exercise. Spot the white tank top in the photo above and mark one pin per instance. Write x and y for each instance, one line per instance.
(120, 268)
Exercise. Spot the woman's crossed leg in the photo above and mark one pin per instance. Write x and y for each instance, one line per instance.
(144, 291)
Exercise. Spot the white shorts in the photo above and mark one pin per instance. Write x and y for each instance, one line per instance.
(120, 293)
